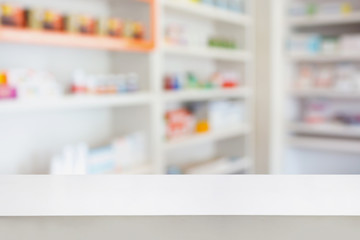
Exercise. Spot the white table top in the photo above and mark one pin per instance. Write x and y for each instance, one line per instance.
(179, 195)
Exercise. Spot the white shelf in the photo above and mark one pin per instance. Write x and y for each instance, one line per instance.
(321, 20)
(207, 52)
(198, 95)
(328, 129)
(72, 102)
(206, 137)
(138, 170)
(326, 144)
(208, 11)
(326, 93)
(221, 167)
(337, 57)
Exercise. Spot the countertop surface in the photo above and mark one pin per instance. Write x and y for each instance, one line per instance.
(179, 195)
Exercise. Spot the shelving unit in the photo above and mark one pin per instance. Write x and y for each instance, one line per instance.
(34, 130)
(236, 140)
(304, 147)
(41, 127)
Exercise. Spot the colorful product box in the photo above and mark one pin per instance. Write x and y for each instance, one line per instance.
(180, 122)
(115, 27)
(44, 19)
(86, 24)
(80, 24)
(6, 91)
(12, 16)
(52, 21)
(138, 31)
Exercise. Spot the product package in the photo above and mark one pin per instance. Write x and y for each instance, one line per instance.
(123, 154)
(115, 27)
(233, 110)
(139, 31)
(32, 83)
(11, 15)
(52, 20)
(317, 111)
(190, 80)
(305, 43)
(6, 91)
(179, 122)
(297, 9)
(44, 19)
(81, 24)
(83, 83)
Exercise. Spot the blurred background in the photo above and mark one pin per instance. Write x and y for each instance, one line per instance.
(179, 87)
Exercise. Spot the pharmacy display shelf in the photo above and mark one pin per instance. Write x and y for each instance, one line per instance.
(207, 52)
(214, 21)
(208, 11)
(323, 20)
(335, 57)
(207, 94)
(327, 137)
(325, 93)
(326, 129)
(325, 144)
(222, 167)
(207, 137)
(75, 102)
(26, 36)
